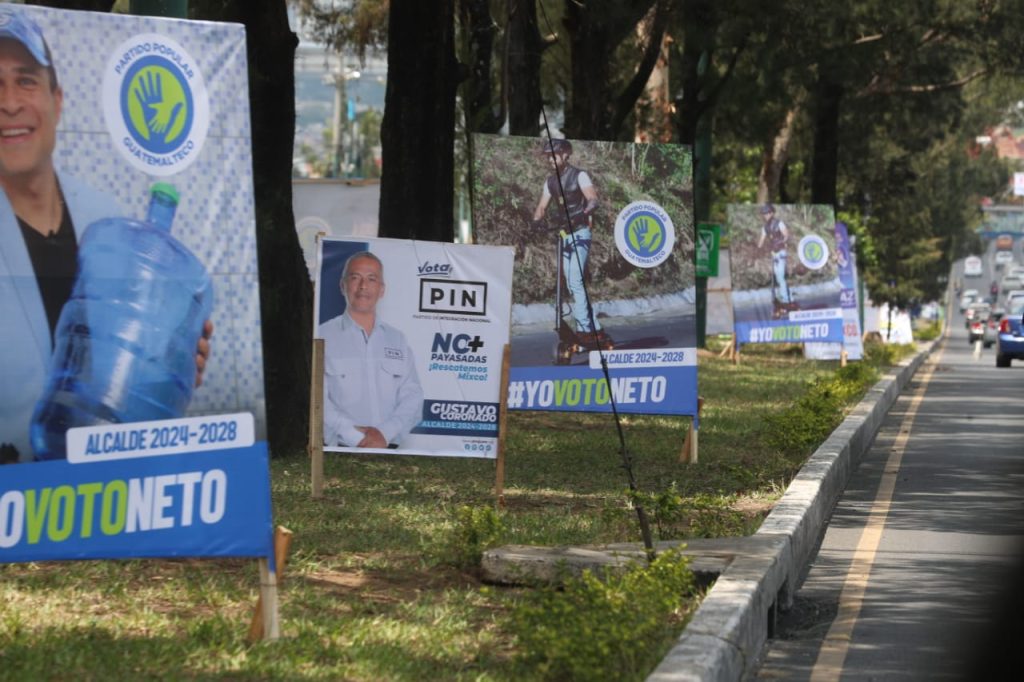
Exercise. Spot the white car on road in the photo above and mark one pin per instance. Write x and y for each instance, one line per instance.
(1004, 257)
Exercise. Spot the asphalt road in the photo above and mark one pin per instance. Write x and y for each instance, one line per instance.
(920, 573)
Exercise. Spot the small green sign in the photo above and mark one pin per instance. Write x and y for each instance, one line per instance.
(708, 235)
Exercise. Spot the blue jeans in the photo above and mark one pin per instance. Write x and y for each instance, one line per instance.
(779, 268)
(573, 268)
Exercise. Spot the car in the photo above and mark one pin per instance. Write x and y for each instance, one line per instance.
(1012, 294)
(1004, 242)
(1009, 283)
(1010, 340)
(1016, 270)
(968, 297)
(972, 266)
(990, 331)
(1003, 258)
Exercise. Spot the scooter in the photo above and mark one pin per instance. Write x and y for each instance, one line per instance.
(569, 341)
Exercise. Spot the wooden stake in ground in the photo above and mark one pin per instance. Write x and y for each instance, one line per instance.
(842, 357)
(735, 355)
(727, 350)
(499, 474)
(316, 419)
(266, 622)
(689, 451)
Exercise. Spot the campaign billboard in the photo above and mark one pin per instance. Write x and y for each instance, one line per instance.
(853, 342)
(785, 276)
(142, 489)
(130, 102)
(414, 334)
(128, 291)
(605, 274)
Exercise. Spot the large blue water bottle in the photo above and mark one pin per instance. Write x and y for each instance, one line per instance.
(126, 341)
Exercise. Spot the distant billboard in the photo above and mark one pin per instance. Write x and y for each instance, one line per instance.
(786, 286)
(605, 270)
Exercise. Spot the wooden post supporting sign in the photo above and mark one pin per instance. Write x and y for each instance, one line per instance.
(499, 475)
(266, 622)
(689, 451)
(316, 419)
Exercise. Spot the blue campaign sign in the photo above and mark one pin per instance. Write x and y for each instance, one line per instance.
(786, 285)
(209, 504)
(604, 261)
(643, 390)
(828, 330)
(153, 160)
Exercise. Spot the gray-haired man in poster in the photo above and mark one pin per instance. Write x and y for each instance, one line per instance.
(372, 394)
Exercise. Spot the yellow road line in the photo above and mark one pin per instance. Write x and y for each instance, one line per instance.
(832, 654)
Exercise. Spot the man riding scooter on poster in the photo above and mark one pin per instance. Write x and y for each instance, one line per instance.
(776, 234)
(576, 220)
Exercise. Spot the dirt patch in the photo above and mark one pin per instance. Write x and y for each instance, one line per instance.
(751, 507)
(533, 500)
(390, 586)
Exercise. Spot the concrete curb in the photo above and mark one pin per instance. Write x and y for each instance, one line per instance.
(727, 634)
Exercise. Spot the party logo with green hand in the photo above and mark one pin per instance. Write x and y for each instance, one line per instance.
(813, 252)
(156, 104)
(644, 234)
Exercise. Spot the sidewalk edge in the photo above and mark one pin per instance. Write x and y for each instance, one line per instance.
(727, 634)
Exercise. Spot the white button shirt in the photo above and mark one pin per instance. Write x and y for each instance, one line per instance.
(369, 380)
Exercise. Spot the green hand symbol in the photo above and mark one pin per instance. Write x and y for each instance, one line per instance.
(150, 95)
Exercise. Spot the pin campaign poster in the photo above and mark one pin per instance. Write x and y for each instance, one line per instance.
(414, 334)
(604, 240)
(785, 276)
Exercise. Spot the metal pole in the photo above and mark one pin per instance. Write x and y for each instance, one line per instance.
(339, 107)
(702, 197)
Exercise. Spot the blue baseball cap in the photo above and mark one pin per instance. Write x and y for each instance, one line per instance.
(18, 26)
(767, 208)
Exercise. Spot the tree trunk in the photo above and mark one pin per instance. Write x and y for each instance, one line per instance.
(478, 89)
(286, 302)
(699, 27)
(418, 131)
(589, 45)
(523, 68)
(775, 157)
(654, 108)
(651, 32)
(595, 31)
(825, 162)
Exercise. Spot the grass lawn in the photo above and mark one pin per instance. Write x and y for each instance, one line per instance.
(371, 590)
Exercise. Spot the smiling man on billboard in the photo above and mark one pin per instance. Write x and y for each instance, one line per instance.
(372, 393)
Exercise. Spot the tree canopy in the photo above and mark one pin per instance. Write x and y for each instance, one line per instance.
(871, 107)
